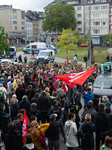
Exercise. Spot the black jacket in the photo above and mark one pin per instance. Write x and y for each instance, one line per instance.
(24, 104)
(74, 103)
(20, 92)
(52, 133)
(89, 111)
(15, 140)
(102, 121)
(43, 103)
(6, 104)
(55, 110)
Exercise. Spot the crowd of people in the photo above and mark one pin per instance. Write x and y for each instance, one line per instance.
(51, 109)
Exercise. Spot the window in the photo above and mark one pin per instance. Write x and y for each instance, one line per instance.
(79, 22)
(10, 22)
(23, 28)
(96, 7)
(95, 16)
(96, 31)
(103, 1)
(96, 40)
(104, 23)
(79, 15)
(87, 8)
(87, 23)
(78, 8)
(91, 1)
(14, 22)
(96, 23)
(14, 11)
(10, 16)
(103, 31)
(103, 16)
(34, 46)
(23, 23)
(14, 17)
(97, 1)
(14, 28)
(22, 17)
(104, 7)
(87, 16)
(10, 28)
(80, 29)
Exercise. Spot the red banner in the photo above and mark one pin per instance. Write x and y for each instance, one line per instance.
(24, 129)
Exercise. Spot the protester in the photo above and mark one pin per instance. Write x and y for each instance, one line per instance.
(108, 144)
(71, 132)
(19, 121)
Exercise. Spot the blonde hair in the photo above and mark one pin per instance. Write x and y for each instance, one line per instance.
(14, 99)
(88, 117)
(47, 89)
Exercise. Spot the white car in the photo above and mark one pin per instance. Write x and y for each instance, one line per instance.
(8, 61)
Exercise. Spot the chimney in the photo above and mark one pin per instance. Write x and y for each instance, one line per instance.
(11, 6)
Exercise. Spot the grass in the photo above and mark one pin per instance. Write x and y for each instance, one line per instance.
(99, 53)
(19, 49)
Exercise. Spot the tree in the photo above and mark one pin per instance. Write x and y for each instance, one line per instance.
(80, 39)
(67, 40)
(59, 17)
(108, 38)
(3, 44)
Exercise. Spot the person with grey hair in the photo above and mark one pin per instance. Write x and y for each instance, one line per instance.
(3, 91)
(106, 101)
(24, 104)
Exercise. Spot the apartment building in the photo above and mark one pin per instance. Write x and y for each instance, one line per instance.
(79, 6)
(29, 30)
(110, 16)
(14, 23)
(99, 20)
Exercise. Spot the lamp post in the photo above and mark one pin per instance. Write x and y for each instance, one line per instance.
(90, 33)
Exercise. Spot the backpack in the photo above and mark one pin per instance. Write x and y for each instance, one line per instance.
(56, 111)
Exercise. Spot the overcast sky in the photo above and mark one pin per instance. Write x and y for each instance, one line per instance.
(34, 5)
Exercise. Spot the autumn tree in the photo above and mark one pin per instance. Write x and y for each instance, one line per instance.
(59, 17)
(80, 39)
(108, 38)
(3, 44)
(67, 40)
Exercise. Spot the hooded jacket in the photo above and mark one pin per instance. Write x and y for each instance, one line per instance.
(24, 104)
(102, 121)
(87, 97)
(71, 132)
(43, 103)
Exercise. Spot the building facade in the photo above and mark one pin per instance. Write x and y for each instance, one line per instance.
(14, 23)
(29, 30)
(99, 20)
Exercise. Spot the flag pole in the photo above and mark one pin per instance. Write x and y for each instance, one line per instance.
(90, 33)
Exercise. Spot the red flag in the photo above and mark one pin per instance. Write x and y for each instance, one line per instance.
(67, 60)
(77, 78)
(56, 86)
(24, 130)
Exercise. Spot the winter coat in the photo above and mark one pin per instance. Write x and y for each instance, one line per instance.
(52, 133)
(3, 90)
(102, 121)
(5, 103)
(20, 93)
(24, 104)
(14, 107)
(14, 139)
(36, 140)
(71, 132)
(89, 111)
(74, 103)
(88, 141)
(87, 97)
(29, 147)
(4, 121)
(43, 103)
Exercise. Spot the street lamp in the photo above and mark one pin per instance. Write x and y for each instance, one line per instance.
(90, 33)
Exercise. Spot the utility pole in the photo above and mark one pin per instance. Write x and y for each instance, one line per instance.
(90, 32)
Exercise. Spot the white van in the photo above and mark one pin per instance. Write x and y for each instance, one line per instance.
(36, 46)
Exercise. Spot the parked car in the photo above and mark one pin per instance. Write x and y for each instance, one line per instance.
(7, 61)
(102, 86)
(84, 44)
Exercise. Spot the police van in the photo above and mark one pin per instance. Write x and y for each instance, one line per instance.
(47, 56)
(12, 52)
(36, 46)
